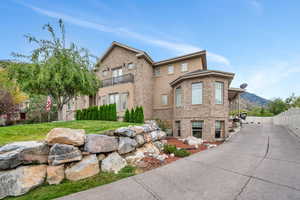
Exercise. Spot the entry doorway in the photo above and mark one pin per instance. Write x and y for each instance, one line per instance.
(177, 128)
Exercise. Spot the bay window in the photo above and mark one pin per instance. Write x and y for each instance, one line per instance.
(178, 97)
(197, 93)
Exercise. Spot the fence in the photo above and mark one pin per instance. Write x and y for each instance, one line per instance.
(289, 119)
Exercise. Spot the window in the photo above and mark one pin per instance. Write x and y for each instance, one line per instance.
(131, 65)
(114, 98)
(156, 71)
(104, 73)
(124, 101)
(184, 67)
(178, 96)
(177, 128)
(197, 93)
(218, 128)
(197, 127)
(170, 69)
(103, 100)
(219, 92)
(117, 72)
(164, 99)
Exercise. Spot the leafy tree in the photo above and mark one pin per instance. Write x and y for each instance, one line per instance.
(55, 69)
(277, 106)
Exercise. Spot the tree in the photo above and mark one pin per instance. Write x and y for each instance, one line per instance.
(126, 116)
(56, 70)
(277, 106)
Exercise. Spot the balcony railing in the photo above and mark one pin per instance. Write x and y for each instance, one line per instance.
(126, 78)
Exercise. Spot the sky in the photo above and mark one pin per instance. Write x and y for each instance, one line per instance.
(258, 40)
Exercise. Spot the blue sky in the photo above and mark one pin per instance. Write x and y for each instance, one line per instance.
(259, 40)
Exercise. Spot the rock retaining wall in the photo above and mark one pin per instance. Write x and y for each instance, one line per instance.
(73, 155)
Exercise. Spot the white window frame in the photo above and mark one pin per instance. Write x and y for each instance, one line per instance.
(184, 67)
(164, 99)
(117, 72)
(219, 92)
(131, 66)
(178, 97)
(197, 93)
(124, 101)
(157, 71)
(170, 69)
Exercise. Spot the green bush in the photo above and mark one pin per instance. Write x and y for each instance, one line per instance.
(126, 116)
(105, 112)
(182, 153)
(168, 148)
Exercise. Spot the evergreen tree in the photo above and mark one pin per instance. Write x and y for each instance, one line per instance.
(142, 115)
(126, 116)
(115, 112)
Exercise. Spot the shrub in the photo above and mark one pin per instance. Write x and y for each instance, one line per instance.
(182, 153)
(126, 116)
(168, 148)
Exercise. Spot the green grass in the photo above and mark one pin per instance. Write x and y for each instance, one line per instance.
(47, 192)
(28, 132)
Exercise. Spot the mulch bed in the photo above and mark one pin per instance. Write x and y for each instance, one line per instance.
(149, 163)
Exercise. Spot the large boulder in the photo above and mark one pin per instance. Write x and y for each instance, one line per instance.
(87, 167)
(193, 141)
(147, 137)
(161, 135)
(18, 181)
(159, 145)
(113, 163)
(154, 135)
(149, 149)
(126, 145)
(63, 153)
(55, 174)
(134, 157)
(139, 140)
(100, 143)
(137, 129)
(75, 137)
(17, 153)
(125, 131)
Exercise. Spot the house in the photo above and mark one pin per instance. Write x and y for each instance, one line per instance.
(181, 91)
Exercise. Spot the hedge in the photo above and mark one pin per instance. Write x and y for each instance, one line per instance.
(105, 112)
(135, 115)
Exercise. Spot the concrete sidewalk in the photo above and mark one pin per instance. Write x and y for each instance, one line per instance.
(261, 162)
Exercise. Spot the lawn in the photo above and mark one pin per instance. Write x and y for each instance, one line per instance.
(47, 192)
(28, 132)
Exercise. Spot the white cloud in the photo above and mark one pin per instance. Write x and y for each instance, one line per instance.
(176, 47)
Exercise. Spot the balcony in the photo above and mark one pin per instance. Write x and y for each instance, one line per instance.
(126, 78)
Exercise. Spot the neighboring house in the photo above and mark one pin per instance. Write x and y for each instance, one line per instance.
(180, 91)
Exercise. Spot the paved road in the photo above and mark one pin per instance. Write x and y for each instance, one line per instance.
(262, 162)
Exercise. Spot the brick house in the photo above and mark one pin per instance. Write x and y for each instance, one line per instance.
(180, 91)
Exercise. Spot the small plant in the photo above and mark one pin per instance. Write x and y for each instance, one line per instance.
(182, 153)
(168, 148)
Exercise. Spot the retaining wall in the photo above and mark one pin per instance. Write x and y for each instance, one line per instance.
(289, 119)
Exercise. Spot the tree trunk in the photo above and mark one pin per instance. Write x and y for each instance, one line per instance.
(60, 114)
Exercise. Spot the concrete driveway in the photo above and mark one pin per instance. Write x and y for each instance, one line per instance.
(260, 162)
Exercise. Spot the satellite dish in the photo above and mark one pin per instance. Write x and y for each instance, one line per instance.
(243, 86)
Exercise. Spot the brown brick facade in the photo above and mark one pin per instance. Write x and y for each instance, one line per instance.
(147, 89)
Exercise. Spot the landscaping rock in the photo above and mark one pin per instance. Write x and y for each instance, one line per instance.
(154, 135)
(17, 153)
(147, 137)
(75, 137)
(55, 174)
(134, 157)
(20, 180)
(139, 140)
(109, 132)
(137, 129)
(63, 153)
(161, 135)
(126, 145)
(113, 163)
(100, 143)
(87, 167)
(149, 148)
(191, 140)
(125, 131)
(100, 157)
(159, 145)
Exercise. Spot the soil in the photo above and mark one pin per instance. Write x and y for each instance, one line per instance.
(149, 163)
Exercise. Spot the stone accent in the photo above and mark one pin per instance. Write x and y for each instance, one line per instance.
(87, 167)
(100, 143)
(18, 153)
(113, 163)
(73, 137)
(126, 145)
(140, 140)
(125, 131)
(55, 174)
(18, 181)
(63, 153)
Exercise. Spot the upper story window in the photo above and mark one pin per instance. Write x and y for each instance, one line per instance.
(117, 72)
(178, 97)
(184, 67)
(157, 71)
(219, 88)
(197, 93)
(131, 65)
(104, 72)
(164, 99)
(171, 69)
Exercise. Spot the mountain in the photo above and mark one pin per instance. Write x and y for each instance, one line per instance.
(250, 100)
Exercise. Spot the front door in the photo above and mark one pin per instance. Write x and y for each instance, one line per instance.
(177, 128)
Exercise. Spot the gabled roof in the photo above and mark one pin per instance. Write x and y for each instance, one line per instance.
(138, 52)
(201, 73)
(184, 57)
